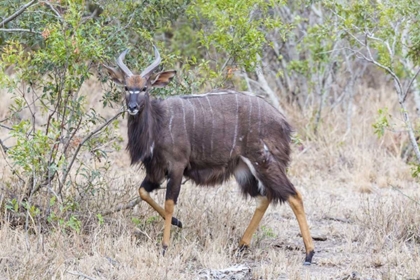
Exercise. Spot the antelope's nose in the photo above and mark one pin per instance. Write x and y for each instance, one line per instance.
(132, 106)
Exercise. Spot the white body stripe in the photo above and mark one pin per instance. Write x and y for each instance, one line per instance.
(261, 187)
(202, 138)
(212, 126)
(193, 129)
(259, 117)
(183, 116)
(250, 113)
(235, 135)
(170, 124)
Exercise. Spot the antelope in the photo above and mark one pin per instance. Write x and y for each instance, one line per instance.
(208, 138)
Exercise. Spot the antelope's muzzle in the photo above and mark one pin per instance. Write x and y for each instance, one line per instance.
(132, 105)
(133, 108)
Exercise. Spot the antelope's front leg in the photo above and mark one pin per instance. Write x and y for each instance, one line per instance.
(172, 192)
(144, 190)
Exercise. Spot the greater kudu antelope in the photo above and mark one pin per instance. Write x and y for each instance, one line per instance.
(208, 138)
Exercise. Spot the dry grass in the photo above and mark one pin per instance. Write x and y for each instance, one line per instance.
(358, 194)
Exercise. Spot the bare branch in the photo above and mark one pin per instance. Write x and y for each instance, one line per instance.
(410, 84)
(52, 8)
(123, 207)
(91, 16)
(6, 127)
(18, 30)
(3, 146)
(18, 12)
(247, 80)
(105, 124)
(411, 134)
(410, 198)
(387, 69)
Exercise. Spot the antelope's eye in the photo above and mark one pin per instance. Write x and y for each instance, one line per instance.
(144, 89)
(126, 88)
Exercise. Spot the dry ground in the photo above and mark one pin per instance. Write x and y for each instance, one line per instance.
(362, 206)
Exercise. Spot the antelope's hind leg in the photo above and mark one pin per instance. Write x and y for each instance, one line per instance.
(281, 189)
(296, 203)
(249, 185)
(144, 192)
(262, 205)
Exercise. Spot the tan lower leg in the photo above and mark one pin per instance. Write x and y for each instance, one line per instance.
(169, 211)
(146, 197)
(262, 205)
(296, 204)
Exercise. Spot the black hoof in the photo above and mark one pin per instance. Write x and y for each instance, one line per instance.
(240, 251)
(176, 222)
(164, 248)
(308, 258)
(243, 248)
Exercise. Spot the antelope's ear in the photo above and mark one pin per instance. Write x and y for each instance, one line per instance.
(163, 78)
(116, 75)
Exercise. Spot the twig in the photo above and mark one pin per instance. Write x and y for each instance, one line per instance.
(52, 8)
(144, 233)
(411, 82)
(6, 127)
(410, 198)
(19, 30)
(4, 147)
(63, 180)
(411, 134)
(91, 16)
(248, 84)
(18, 12)
(123, 28)
(123, 207)
(76, 273)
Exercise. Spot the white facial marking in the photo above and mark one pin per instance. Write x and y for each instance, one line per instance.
(134, 92)
(261, 187)
(133, 113)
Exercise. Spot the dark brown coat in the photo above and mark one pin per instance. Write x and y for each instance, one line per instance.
(215, 135)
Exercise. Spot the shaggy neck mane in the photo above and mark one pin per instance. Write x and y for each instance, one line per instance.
(143, 128)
